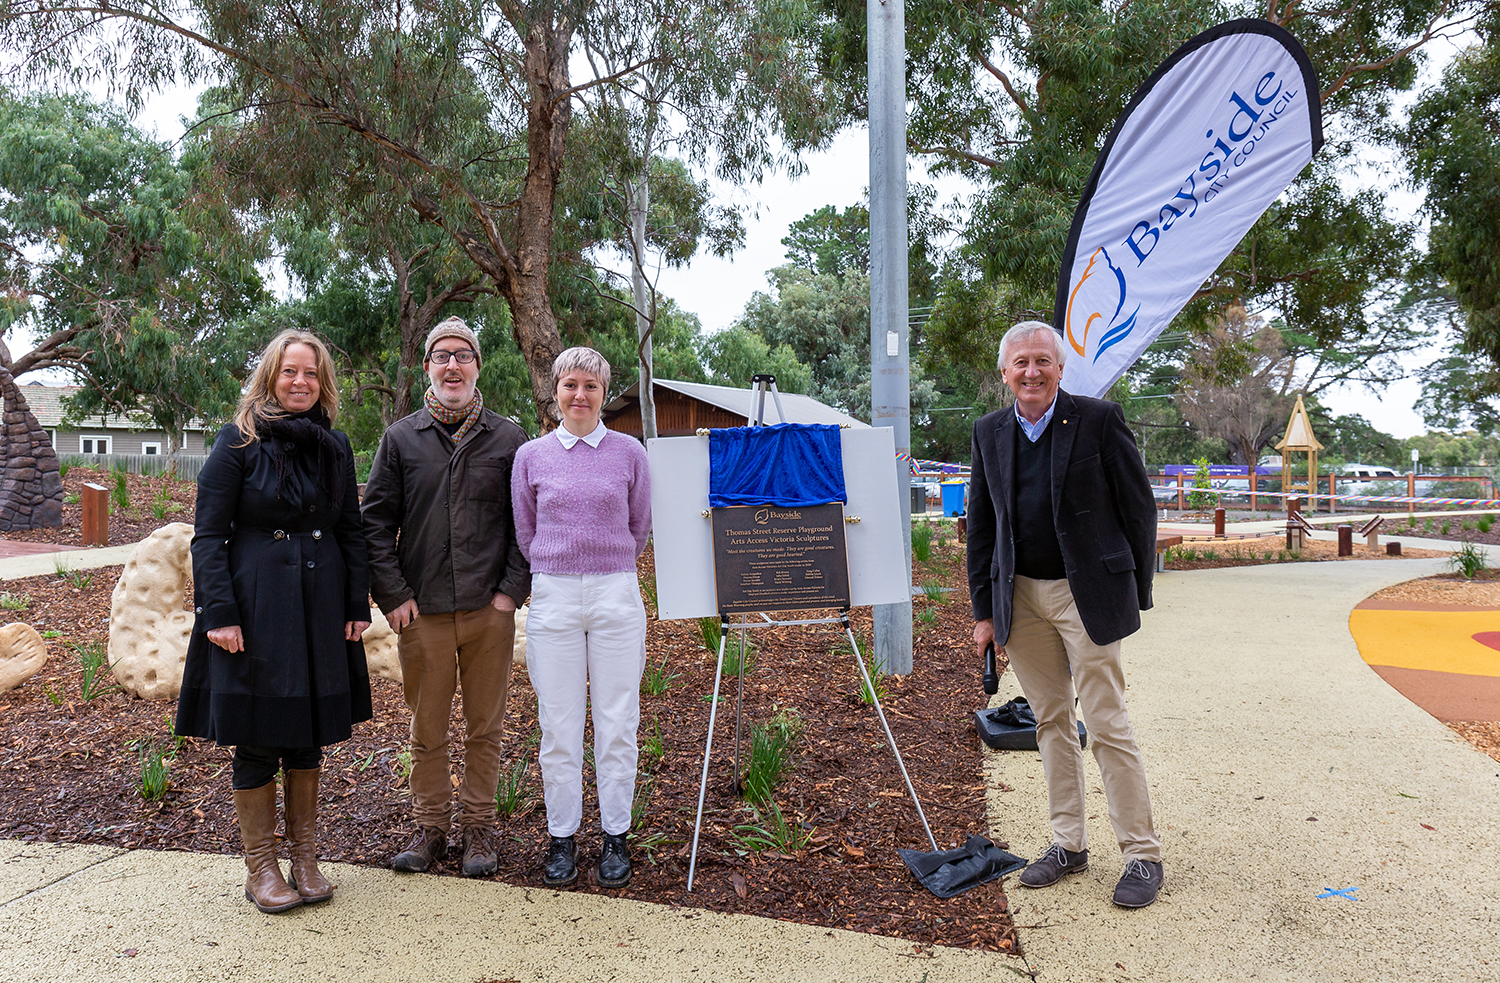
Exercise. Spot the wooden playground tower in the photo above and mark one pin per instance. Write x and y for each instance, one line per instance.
(1299, 439)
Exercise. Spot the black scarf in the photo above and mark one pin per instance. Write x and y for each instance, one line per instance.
(310, 433)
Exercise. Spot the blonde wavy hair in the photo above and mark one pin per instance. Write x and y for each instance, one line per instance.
(259, 399)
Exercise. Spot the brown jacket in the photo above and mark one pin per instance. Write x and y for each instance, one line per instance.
(438, 518)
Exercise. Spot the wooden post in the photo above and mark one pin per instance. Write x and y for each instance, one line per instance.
(1411, 490)
(1333, 490)
(95, 500)
(1346, 540)
(1219, 523)
(1181, 502)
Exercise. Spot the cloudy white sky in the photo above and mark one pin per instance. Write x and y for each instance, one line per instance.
(717, 289)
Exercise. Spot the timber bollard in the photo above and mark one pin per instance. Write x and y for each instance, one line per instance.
(95, 499)
(1392, 549)
(1346, 540)
(1218, 523)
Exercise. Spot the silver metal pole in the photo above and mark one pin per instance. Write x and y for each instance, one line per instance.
(879, 712)
(890, 358)
(708, 747)
(739, 705)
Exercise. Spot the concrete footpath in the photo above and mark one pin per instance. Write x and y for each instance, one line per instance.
(1283, 770)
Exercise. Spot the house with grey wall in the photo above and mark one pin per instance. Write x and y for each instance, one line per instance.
(103, 434)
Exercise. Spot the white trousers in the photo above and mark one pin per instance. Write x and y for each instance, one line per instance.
(586, 644)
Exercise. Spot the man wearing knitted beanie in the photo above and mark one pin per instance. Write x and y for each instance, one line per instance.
(446, 571)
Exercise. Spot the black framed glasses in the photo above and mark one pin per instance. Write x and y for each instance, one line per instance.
(463, 356)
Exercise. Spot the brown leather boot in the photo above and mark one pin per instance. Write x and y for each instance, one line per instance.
(255, 808)
(301, 790)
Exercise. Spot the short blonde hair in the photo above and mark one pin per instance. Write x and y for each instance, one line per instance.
(1026, 329)
(259, 399)
(581, 359)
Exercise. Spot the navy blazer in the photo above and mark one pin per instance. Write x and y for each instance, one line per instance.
(1101, 503)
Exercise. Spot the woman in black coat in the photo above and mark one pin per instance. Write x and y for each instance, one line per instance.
(275, 666)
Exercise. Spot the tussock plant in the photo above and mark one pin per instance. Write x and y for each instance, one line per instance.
(94, 662)
(656, 680)
(771, 746)
(921, 542)
(513, 796)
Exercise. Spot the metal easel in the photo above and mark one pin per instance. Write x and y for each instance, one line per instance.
(759, 385)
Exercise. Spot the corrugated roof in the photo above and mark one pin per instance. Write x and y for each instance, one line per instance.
(799, 409)
(46, 404)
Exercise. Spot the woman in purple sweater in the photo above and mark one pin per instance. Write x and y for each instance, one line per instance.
(582, 502)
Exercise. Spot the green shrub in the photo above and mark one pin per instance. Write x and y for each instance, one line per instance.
(1484, 523)
(512, 796)
(656, 680)
(1468, 560)
(921, 542)
(770, 755)
(120, 494)
(94, 662)
(770, 831)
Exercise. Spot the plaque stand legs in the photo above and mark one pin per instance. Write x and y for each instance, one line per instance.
(713, 709)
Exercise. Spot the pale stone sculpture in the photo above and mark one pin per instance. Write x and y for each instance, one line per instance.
(22, 655)
(148, 626)
(384, 660)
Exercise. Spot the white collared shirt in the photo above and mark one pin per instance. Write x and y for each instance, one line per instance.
(1033, 431)
(569, 438)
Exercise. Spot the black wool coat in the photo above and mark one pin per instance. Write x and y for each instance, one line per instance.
(1102, 506)
(290, 571)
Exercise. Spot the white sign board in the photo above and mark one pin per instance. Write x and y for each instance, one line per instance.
(683, 535)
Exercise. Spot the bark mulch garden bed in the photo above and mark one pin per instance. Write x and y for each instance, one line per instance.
(71, 771)
(147, 503)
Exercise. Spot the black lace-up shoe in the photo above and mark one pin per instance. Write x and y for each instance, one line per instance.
(614, 861)
(1139, 884)
(561, 866)
(1053, 866)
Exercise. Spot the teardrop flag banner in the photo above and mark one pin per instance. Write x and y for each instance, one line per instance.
(1207, 143)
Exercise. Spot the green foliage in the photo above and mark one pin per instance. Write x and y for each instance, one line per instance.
(876, 687)
(653, 748)
(513, 796)
(656, 680)
(1202, 496)
(640, 801)
(93, 661)
(53, 696)
(771, 746)
(933, 591)
(737, 661)
(1468, 560)
(771, 830)
(62, 471)
(156, 773)
(119, 495)
(710, 632)
(921, 542)
(1485, 522)
(14, 602)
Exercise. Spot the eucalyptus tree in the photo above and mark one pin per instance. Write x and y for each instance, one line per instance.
(117, 262)
(465, 109)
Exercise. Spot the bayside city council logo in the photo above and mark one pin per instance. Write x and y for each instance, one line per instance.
(1098, 303)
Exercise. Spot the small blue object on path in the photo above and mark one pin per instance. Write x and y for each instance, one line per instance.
(1347, 892)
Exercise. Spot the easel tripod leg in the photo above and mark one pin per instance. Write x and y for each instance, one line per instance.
(739, 704)
(708, 746)
(880, 712)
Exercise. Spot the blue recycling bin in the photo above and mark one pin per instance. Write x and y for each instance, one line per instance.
(953, 497)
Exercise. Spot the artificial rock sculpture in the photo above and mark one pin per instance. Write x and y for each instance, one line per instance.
(31, 489)
(22, 655)
(148, 626)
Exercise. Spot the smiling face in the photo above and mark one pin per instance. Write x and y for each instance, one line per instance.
(453, 383)
(580, 397)
(1032, 372)
(297, 387)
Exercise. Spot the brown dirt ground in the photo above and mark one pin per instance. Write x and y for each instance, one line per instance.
(175, 500)
(70, 767)
(70, 771)
(1245, 552)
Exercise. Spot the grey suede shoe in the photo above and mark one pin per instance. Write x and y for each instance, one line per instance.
(1139, 884)
(1053, 866)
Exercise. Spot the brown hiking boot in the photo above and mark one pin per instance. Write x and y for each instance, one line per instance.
(480, 850)
(426, 848)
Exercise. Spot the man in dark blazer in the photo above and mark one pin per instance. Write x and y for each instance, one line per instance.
(1061, 545)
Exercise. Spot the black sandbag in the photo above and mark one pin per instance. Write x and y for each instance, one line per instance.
(1012, 727)
(951, 872)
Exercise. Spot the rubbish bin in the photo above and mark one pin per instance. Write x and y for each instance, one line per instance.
(953, 497)
(918, 499)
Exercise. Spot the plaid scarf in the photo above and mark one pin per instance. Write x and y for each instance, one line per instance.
(469, 414)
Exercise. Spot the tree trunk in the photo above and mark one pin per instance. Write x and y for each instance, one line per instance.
(638, 201)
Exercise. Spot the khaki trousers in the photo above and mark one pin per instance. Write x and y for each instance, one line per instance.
(1052, 655)
(440, 653)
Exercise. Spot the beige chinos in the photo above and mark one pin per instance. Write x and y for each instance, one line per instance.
(1051, 654)
(439, 653)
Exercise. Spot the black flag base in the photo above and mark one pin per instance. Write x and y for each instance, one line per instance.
(952, 872)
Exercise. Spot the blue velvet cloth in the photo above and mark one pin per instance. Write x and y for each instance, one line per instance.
(789, 464)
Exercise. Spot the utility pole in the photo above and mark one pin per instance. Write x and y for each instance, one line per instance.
(890, 358)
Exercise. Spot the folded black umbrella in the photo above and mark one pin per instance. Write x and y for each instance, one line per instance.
(950, 872)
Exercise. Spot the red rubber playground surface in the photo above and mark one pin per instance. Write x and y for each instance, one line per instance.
(1445, 658)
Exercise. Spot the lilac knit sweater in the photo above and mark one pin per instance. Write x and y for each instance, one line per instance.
(581, 510)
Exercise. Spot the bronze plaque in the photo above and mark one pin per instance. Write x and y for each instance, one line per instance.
(774, 558)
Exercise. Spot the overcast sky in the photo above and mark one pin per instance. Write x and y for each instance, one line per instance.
(717, 289)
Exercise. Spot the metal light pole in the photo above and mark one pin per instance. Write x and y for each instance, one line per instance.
(890, 360)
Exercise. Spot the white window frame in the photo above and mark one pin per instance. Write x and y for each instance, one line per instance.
(52, 438)
(107, 442)
(151, 447)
